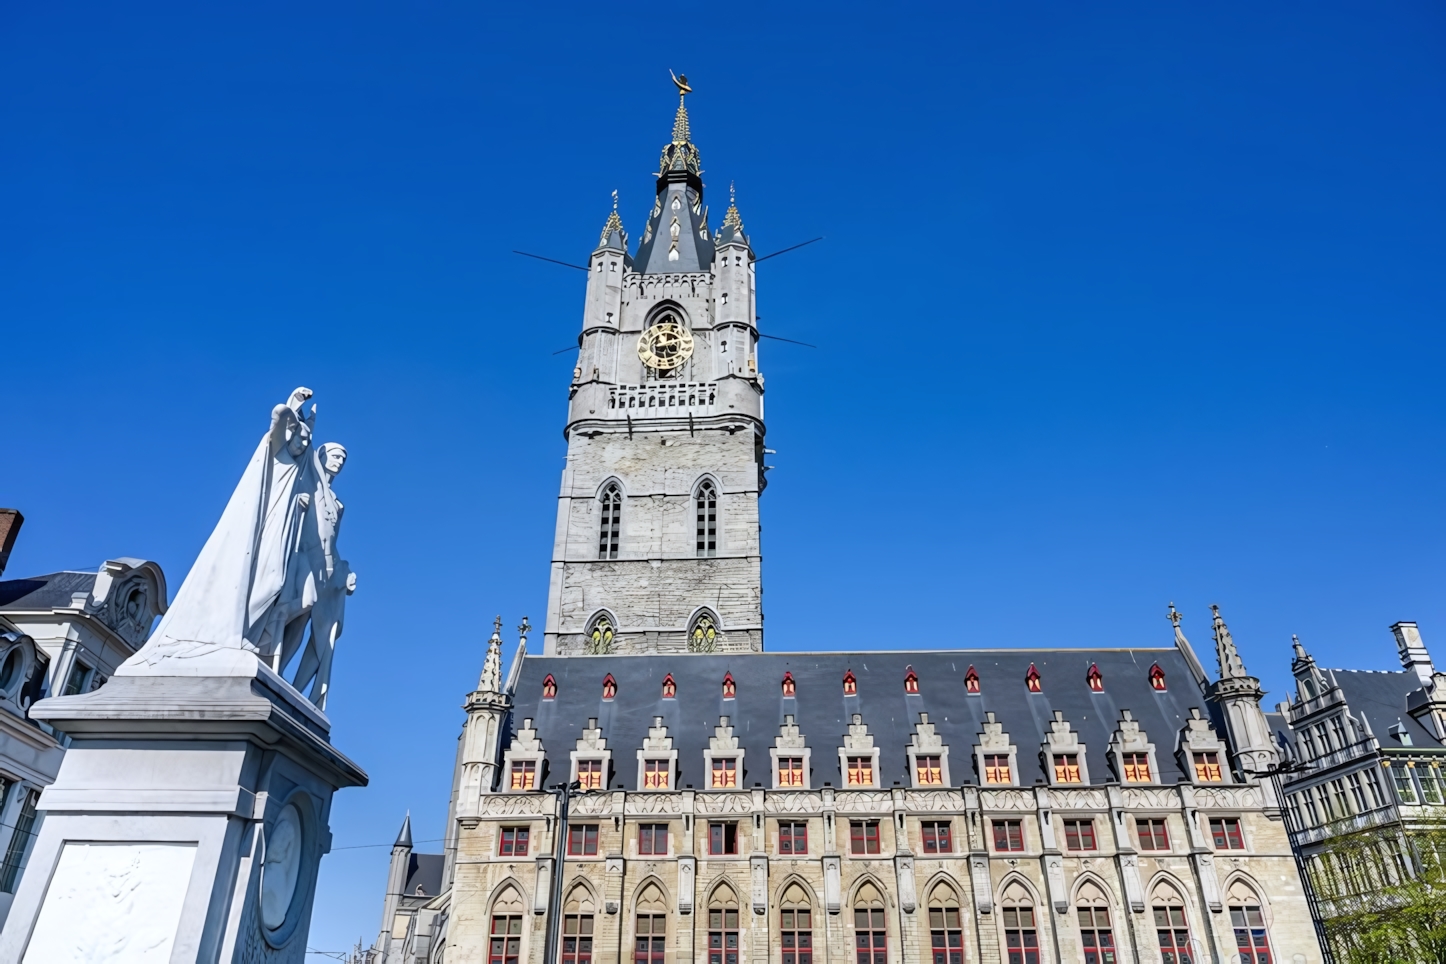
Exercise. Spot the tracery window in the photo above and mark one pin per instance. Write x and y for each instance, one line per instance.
(703, 638)
(505, 942)
(1248, 922)
(1157, 677)
(706, 502)
(971, 682)
(946, 935)
(1095, 678)
(600, 636)
(1172, 927)
(1021, 940)
(911, 681)
(1097, 939)
(796, 923)
(1032, 680)
(723, 927)
(871, 941)
(611, 502)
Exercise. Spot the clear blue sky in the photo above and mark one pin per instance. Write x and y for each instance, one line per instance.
(1116, 307)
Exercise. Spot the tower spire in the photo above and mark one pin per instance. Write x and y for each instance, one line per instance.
(613, 234)
(1231, 666)
(677, 239)
(732, 230)
(491, 681)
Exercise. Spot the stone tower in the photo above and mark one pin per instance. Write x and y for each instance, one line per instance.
(657, 541)
(1238, 694)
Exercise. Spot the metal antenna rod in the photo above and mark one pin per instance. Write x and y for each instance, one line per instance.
(565, 264)
(776, 253)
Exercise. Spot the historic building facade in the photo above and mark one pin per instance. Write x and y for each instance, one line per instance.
(60, 633)
(730, 805)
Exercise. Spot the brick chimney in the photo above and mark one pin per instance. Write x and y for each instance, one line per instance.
(10, 522)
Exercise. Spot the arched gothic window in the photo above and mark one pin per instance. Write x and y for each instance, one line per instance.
(870, 934)
(703, 638)
(577, 927)
(706, 503)
(911, 680)
(790, 689)
(1095, 678)
(651, 927)
(945, 931)
(1157, 677)
(1097, 940)
(600, 637)
(1172, 927)
(1021, 939)
(971, 682)
(796, 923)
(723, 927)
(850, 683)
(1032, 680)
(612, 519)
(670, 688)
(505, 942)
(1248, 921)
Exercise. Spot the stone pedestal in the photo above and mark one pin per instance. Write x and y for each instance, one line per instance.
(187, 822)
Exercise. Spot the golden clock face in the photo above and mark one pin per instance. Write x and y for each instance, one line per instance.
(665, 346)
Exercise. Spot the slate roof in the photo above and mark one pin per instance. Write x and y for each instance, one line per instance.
(1381, 697)
(425, 871)
(823, 712)
(44, 592)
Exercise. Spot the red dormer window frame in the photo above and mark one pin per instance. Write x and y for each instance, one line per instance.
(549, 688)
(1157, 678)
(670, 688)
(610, 687)
(790, 689)
(730, 688)
(1095, 678)
(1033, 681)
(911, 680)
(971, 682)
(850, 683)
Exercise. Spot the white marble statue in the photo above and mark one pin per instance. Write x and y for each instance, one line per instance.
(271, 566)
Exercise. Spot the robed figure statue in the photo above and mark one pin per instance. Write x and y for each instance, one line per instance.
(270, 567)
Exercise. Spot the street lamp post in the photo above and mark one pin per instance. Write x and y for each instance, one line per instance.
(1311, 900)
(564, 792)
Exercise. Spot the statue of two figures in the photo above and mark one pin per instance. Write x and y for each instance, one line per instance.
(270, 568)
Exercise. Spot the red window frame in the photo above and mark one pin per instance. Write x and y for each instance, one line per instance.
(1008, 836)
(1079, 835)
(871, 939)
(505, 946)
(512, 841)
(1096, 935)
(723, 935)
(524, 775)
(937, 836)
(653, 840)
(863, 837)
(577, 939)
(1251, 939)
(582, 840)
(793, 838)
(796, 926)
(657, 774)
(1021, 940)
(790, 688)
(722, 838)
(670, 688)
(652, 939)
(590, 774)
(1226, 833)
(1095, 678)
(946, 936)
(1172, 932)
(971, 682)
(929, 770)
(911, 680)
(790, 771)
(1153, 832)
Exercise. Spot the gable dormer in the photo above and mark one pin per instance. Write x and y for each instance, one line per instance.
(928, 756)
(858, 758)
(591, 760)
(657, 760)
(996, 756)
(1132, 752)
(723, 759)
(791, 757)
(1203, 755)
(1063, 755)
(524, 762)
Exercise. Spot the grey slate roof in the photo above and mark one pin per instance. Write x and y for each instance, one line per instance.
(44, 592)
(425, 871)
(1381, 698)
(823, 712)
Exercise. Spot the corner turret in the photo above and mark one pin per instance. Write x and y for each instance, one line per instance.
(1238, 694)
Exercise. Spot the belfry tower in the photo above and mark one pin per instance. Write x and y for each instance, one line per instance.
(657, 543)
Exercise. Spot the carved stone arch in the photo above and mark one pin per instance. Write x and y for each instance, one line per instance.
(611, 480)
(580, 897)
(722, 893)
(667, 306)
(705, 631)
(942, 886)
(1164, 881)
(860, 887)
(795, 880)
(650, 896)
(1013, 882)
(1239, 887)
(508, 896)
(1091, 879)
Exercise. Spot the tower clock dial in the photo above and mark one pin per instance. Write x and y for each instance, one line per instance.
(665, 346)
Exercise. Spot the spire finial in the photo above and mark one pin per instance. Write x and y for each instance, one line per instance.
(524, 628)
(1174, 616)
(681, 81)
(497, 625)
(614, 224)
(1231, 666)
(615, 199)
(491, 681)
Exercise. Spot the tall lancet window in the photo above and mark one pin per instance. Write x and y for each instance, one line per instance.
(612, 517)
(706, 502)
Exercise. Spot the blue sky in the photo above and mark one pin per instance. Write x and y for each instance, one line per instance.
(1116, 307)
